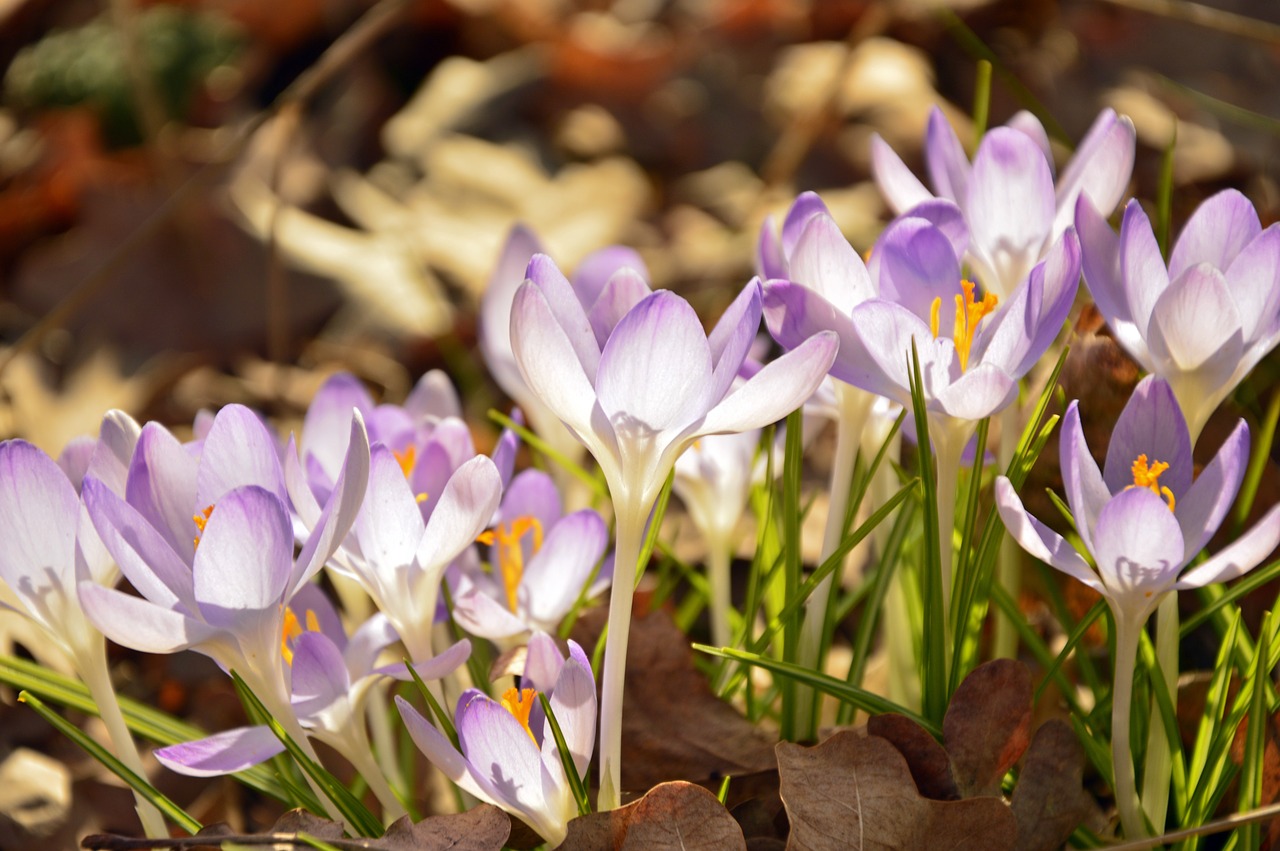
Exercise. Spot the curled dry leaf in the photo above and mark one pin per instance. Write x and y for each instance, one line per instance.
(854, 791)
(988, 725)
(678, 816)
(928, 761)
(1050, 801)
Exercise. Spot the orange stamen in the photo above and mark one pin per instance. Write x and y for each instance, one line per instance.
(519, 702)
(1148, 476)
(201, 520)
(406, 459)
(291, 629)
(508, 557)
(969, 313)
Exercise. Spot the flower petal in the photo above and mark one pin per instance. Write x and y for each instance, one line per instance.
(1254, 281)
(574, 703)
(389, 528)
(327, 425)
(1195, 325)
(464, 510)
(1138, 548)
(1142, 267)
(793, 313)
(222, 753)
(434, 397)
(39, 511)
(917, 265)
(547, 360)
(900, 188)
(655, 372)
(341, 509)
(242, 564)
(803, 209)
(1099, 170)
(623, 291)
(319, 674)
(1217, 231)
(238, 451)
(979, 392)
(1038, 539)
(556, 574)
(1086, 491)
(775, 391)
(1239, 557)
(117, 438)
(824, 261)
(948, 163)
(566, 306)
(533, 493)
(731, 339)
(597, 268)
(161, 485)
(134, 622)
(504, 753)
(1201, 508)
(495, 309)
(1151, 424)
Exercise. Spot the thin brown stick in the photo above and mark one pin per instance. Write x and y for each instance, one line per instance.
(1231, 23)
(372, 25)
(1229, 823)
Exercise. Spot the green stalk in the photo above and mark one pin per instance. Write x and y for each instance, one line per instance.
(1125, 787)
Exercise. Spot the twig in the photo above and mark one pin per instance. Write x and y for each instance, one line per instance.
(1231, 23)
(1228, 823)
(350, 44)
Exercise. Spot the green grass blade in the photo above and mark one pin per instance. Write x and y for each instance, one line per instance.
(566, 758)
(139, 784)
(791, 564)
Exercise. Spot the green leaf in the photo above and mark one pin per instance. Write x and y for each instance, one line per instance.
(566, 758)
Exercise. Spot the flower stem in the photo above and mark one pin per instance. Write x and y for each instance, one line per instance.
(1158, 764)
(1125, 787)
(719, 561)
(92, 665)
(356, 748)
(630, 535)
(1009, 559)
(948, 449)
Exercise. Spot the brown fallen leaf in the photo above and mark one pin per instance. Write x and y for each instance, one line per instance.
(678, 816)
(673, 726)
(928, 761)
(1049, 801)
(855, 792)
(988, 725)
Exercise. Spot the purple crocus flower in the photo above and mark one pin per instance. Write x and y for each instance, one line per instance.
(637, 392)
(1004, 212)
(330, 677)
(1142, 518)
(540, 562)
(507, 757)
(1203, 322)
(593, 279)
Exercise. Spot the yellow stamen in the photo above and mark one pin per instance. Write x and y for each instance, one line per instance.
(508, 556)
(1148, 476)
(291, 629)
(969, 314)
(406, 459)
(519, 702)
(934, 311)
(201, 520)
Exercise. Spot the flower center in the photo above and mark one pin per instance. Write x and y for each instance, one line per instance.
(969, 313)
(201, 520)
(406, 458)
(508, 552)
(519, 702)
(292, 629)
(1148, 476)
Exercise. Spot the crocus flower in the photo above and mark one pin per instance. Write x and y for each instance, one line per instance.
(589, 283)
(1206, 320)
(509, 759)
(330, 678)
(1142, 518)
(540, 561)
(637, 393)
(50, 545)
(1004, 211)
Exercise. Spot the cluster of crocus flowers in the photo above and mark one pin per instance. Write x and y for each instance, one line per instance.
(1142, 518)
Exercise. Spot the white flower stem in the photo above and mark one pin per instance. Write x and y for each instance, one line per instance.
(1125, 787)
(279, 708)
(355, 747)
(947, 451)
(1009, 558)
(1158, 764)
(630, 536)
(853, 418)
(376, 710)
(92, 665)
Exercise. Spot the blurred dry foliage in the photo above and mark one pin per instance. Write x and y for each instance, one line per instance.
(180, 229)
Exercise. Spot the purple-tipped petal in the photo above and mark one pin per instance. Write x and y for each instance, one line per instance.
(946, 217)
(1100, 168)
(1138, 548)
(341, 509)
(1239, 557)
(563, 303)
(503, 752)
(222, 753)
(882, 362)
(794, 313)
(918, 264)
(623, 291)
(243, 561)
(1028, 125)
(75, 457)
(574, 703)
(542, 663)
(824, 261)
(38, 515)
(656, 369)
(1086, 491)
(770, 261)
(1205, 503)
(389, 527)
(495, 311)
(434, 397)
(238, 451)
(533, 493)
(117, 438)
(776, 390)
(979, 392)
(1142, 268)
(1195, 325)
(548, 362)
(900, 188)
(1151, 424)
(161, 485)
(464, 510)
(327, 425)
(802, 211)
(1253, 278)
(482, 615)
(1038, 539)
(1217, 231)
(555, 576)
(597, 268)
(731, 339)
(1100, 261)
(319, 674)
(948, 163)
(134, 622)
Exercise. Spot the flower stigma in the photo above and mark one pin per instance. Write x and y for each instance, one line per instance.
(1148, 476)
(969, 314)
(406, 458)
(201, 520)
(508, 555)
(519, 702)
(292, 629)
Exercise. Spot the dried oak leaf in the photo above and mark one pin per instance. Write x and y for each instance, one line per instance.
(928, 761)
(1049, 801)
(673, 725)
(988, 725)
(678, 816)
(482, 828)
(854, 791)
